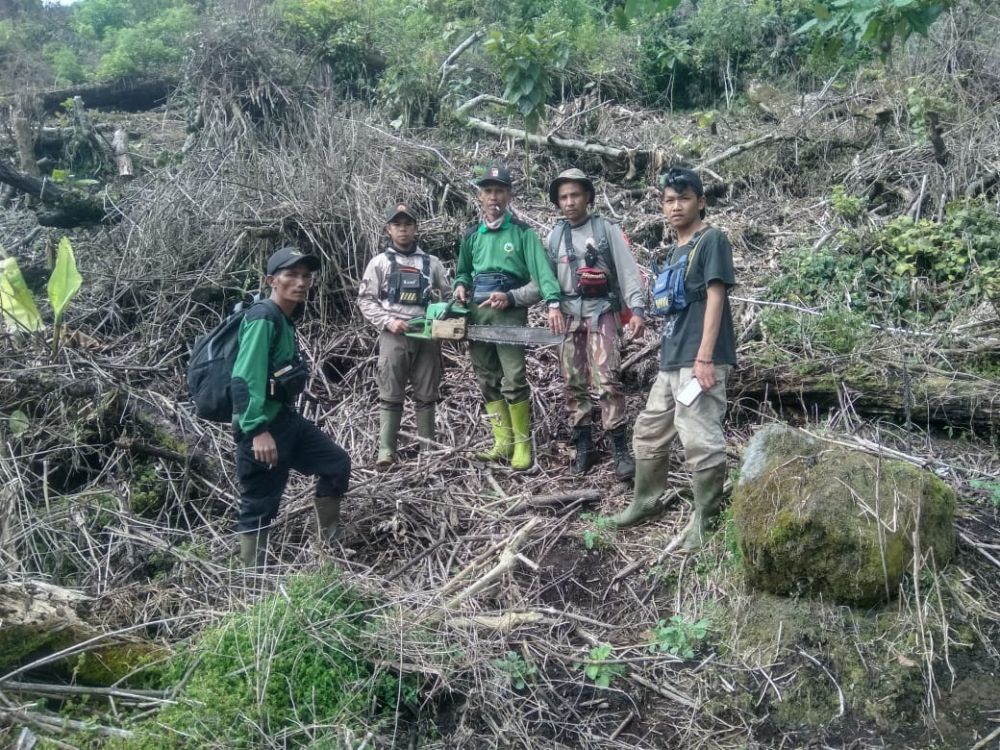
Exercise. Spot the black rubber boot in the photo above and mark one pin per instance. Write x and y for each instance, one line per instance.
(328, 517)
(624, 463)
(584, 440)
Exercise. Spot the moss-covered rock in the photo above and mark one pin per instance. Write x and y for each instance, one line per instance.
(818, 519)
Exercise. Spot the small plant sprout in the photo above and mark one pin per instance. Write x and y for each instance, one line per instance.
(678, 637)
(519, 670)
(598, 669)
(599, 531)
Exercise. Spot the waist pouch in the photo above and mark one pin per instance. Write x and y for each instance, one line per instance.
(288, 381)
(592, 282)
(486, 283)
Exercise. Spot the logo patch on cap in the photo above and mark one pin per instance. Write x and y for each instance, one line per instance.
(494, 172)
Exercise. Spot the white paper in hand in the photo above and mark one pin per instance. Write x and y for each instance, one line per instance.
(689, 393)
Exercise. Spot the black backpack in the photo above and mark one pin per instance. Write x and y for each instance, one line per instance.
(210, 369)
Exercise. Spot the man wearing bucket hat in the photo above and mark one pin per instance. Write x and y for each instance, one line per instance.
(396, 287)
(598, 277)
(271, 437)
(497, 260)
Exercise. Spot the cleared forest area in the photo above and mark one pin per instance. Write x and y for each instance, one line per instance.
(858, 179)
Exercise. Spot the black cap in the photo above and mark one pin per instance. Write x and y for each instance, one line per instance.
(679, 178)
(399, 209)
(290, 256)
(495, 175)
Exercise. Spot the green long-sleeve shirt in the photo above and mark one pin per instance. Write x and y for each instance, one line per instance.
(266, 343)
(512, 249)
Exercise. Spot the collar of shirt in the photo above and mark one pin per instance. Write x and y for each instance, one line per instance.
(483, 229)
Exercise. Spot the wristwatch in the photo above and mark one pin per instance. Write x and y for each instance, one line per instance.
(553, 305)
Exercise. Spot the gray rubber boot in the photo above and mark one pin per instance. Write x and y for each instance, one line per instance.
(708, 486)
(583, 437)
(650, 484)
(253, 548)
(624, 463)
(388, 434)
(328, 517)
(425, 423)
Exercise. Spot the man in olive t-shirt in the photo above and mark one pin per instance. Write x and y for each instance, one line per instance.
(699, 343)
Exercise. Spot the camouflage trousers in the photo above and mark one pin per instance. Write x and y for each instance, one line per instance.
(592, 357)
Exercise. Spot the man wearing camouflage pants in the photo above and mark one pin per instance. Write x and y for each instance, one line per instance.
(598, 276)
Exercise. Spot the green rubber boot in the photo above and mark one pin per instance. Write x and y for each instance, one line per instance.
(708, 486)
(388, 434)
(328, 517)
(650, 484)
(503, 436)
(425, 423)
(253, 548)
(520, 420)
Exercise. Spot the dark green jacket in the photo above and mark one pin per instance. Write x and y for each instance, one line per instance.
(266, 343)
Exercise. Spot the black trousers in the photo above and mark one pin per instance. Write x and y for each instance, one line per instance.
(301, 446)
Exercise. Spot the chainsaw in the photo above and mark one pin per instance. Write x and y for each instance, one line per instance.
(446, 321)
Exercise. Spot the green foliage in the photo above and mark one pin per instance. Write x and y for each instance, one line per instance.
(600, 530)
(991, 487)
(598, 669)
(961, 253)
(847, 25)
(836, 331)
(696, 57)
(65, 64)
(302, 657)
(924, 105)
(17, 306)
(149, 47)
(678, 637)
(848, 207)
(527, 63)
(519, 670)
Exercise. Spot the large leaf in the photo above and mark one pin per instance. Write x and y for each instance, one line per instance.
(16, 302)
(65, 280)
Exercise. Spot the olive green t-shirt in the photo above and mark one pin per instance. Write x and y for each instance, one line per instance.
(713, 261)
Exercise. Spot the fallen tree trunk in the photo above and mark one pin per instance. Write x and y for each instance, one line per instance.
(903, 394)
(71, 209)
(127, 95)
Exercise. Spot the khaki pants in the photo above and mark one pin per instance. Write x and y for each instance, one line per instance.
(404, 359)
(699, 426)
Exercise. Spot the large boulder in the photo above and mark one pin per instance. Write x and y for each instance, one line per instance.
(819, 519)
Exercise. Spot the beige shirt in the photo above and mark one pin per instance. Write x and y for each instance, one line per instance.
(374, 288)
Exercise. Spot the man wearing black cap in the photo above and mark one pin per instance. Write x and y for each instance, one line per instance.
(698, 352)
(599, 277)
(271, 437)
(497, 260)
(395, 289)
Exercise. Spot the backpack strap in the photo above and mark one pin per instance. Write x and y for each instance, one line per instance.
(701, 293)
(600, 225)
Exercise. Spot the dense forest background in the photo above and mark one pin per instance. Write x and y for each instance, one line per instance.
(850, 150)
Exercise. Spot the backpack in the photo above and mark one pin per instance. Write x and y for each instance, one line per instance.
(210, 368)
(670, 293)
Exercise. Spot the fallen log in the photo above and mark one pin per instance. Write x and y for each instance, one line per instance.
(122, 95)
(903, 394)
(71, 209)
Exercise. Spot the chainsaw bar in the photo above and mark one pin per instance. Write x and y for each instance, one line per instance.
(514, 335)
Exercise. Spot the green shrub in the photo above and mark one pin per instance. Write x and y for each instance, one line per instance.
(304, 657)
(678, 637)
(848, 207)
(65, 64)
(150, 47)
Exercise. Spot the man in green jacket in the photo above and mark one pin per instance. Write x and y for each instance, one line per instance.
(498, 259)
(271, 437)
